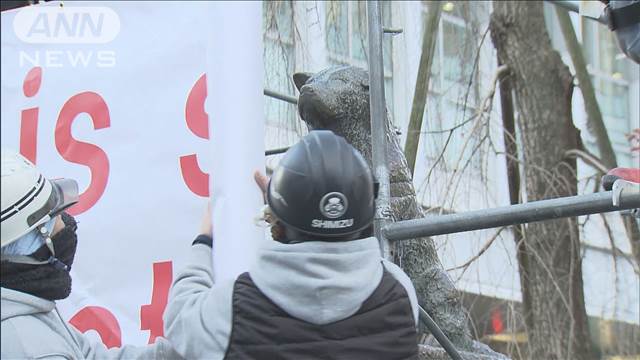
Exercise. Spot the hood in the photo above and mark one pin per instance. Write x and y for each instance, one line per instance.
(316, 281)
(16, 303)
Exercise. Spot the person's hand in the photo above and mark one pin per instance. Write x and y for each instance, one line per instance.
(205, 227)
(262, 182)
(277, 229)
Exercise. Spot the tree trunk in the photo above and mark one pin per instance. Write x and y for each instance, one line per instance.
(422, 83)
(595, 124)
(553, 289)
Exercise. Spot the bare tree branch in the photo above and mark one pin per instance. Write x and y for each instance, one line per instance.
(484, 248)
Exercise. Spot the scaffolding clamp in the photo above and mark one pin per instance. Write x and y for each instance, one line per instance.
(620, 186)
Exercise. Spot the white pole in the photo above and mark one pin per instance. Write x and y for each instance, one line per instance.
(235, 108)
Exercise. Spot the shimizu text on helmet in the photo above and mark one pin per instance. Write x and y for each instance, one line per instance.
(29, 200)
(323, 188)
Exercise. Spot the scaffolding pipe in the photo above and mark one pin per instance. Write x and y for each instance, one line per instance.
(287, 98)
(439, 335)
(377, 109)
(570, 206)
(276, 151)
(276, 95)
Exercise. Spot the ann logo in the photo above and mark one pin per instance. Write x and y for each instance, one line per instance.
(66, 25)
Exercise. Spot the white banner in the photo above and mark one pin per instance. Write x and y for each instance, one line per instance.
(236, 95)
(112, 94)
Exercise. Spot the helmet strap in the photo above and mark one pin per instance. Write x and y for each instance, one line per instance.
(53, 260)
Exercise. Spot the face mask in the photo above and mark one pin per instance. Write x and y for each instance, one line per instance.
(48, 281)
(65, 241)
(64, 245)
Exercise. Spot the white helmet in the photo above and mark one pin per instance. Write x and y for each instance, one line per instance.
(28, 199)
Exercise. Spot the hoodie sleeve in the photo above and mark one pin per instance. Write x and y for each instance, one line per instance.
(403, 279)
(161, 349)
(197, 320)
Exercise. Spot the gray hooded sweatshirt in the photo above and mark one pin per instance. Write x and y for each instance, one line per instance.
(32, 328)
(318, 282)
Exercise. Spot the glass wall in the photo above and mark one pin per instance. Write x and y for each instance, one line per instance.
(346, 38)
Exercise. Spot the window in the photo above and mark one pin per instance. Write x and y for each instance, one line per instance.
(346, 36)
(279, 61)
(451, 100)
(337, 15)
(609, 70)
(445, 114)
(455, 51)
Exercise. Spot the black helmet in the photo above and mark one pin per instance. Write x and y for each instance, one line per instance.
(323, 187)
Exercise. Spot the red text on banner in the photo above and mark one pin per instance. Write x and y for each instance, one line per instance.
(79, 152)
(151, 315)
(198, 122)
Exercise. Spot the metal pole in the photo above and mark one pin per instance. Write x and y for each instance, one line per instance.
(377, 109)
(392, 31)
(276, 151)
(439, 335)
(286, 98)
(276, 95)
(510, 215)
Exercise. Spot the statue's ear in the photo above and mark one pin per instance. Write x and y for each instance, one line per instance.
(300, 79)
(365, 83)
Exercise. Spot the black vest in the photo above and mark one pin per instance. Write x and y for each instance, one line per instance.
(383, 328)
